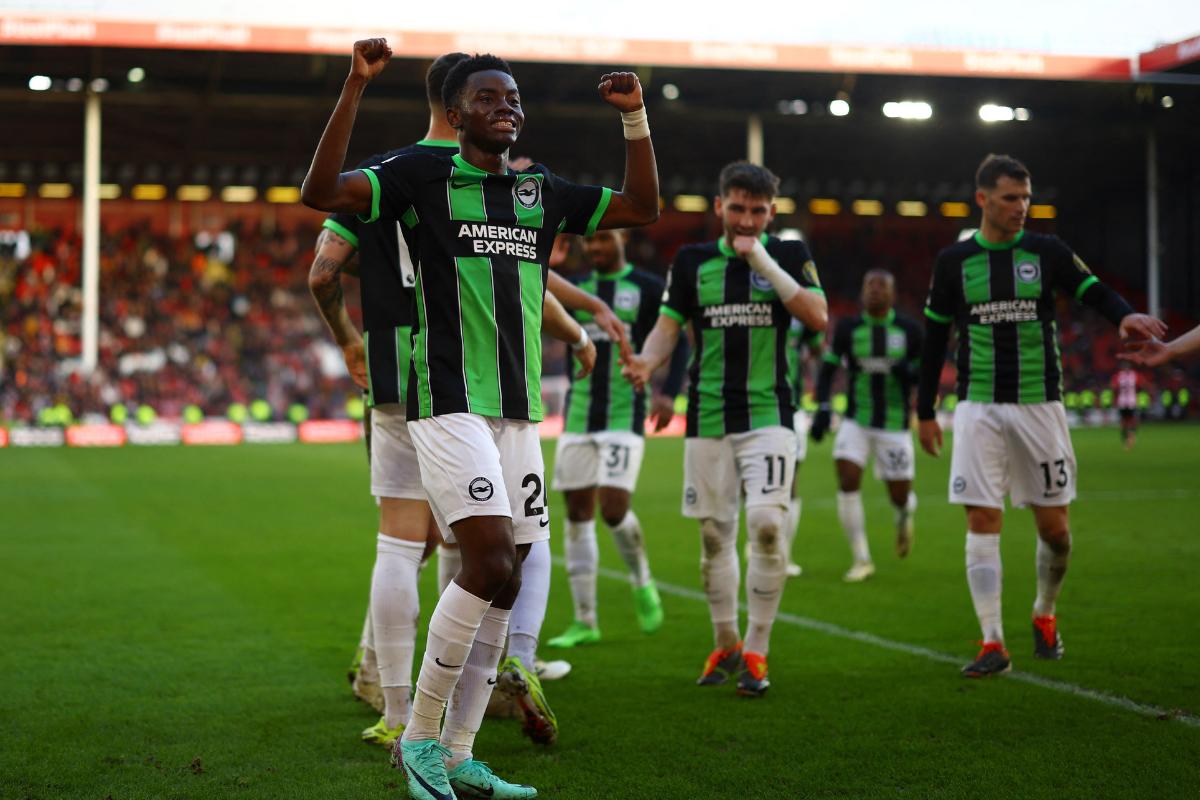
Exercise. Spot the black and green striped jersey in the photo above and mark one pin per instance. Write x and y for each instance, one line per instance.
(800, 338)
(1001, 299)
(881, 356)
(386, 274)
(605, 401)
(484, 243)
(739, 375)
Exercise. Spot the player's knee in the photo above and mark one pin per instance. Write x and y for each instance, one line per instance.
(764, 525)
(494, 569)
(614, 514)
(1056, 536)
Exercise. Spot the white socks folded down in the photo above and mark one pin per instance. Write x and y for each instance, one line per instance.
(395, 606)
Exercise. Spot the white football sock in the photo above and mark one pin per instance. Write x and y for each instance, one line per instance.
(1051, 569)
(583, 557)
(464, 714)
(765, 574)
(984, 577)
(722, 575)
(452, 629)
(449, 563)
(395, 606)
(529, 610)
(850, 512)
(908, 509)
(791, 526)
(628, 536)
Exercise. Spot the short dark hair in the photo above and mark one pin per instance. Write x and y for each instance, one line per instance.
(456, 79)
(435, 76)
(994, 166)
(750, 178)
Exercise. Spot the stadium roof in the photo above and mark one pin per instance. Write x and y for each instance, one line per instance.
(1069, 39)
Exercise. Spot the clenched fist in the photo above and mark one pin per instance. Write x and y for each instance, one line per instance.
(621, 90)
(369, 58)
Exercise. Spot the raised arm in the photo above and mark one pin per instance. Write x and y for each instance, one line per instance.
(637, 202)
(334, 252)
(576, 299)
(559, 324)
(808, 306)
(325, 186)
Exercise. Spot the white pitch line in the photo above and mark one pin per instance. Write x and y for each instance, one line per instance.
(1115, 701)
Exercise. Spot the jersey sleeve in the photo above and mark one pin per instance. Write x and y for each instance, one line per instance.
(796, 259)
(392, 186)
(839, 347)
(345, 226)
(1067, 272)
(678, 299)
(579, 207)
(940, 304)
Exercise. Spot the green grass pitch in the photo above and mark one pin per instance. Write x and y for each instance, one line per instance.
(176, 623)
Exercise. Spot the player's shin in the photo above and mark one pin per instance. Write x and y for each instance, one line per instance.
(628, 537)
(765, 574)
(464, 714)
(452, 629)
(529, 610)
(395, 606)
(850, 514)
(583, 558)
(1052, 561)
(984, 578)
(722, 575)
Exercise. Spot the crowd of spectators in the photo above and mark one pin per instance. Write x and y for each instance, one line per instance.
(224, 317)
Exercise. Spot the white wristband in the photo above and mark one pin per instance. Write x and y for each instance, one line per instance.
(761, 262)
(636, 124)
(583, 340)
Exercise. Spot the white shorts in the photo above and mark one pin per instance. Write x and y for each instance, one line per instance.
(893, 450)
(477, 466)
(1022, 450)
(604, 458)
(716, 471)
(800, 428)
(395, 471)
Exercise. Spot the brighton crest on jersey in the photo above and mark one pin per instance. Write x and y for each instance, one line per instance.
(1001, 299)
(740, 378)
(484, 246)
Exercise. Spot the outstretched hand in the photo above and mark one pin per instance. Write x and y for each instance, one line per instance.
(370, 57)
(1142, 326)
(1147, 353)
(611, 324)
(621, 90)
(637, 371)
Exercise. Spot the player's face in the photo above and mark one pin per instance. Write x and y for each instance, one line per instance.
(490, 116)
(605, 250)
(878, 293)
(744, 214)
(1006, 206)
